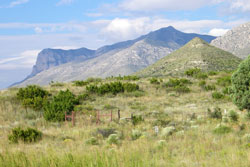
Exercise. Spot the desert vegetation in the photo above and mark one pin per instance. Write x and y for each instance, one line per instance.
(167, 121)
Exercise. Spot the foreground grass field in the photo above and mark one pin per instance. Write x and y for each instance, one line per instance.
(187, 137)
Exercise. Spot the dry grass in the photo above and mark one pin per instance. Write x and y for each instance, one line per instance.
(193, 145)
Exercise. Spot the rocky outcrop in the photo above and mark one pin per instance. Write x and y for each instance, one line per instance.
(236, 41)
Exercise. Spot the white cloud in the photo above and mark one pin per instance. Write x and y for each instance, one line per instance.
(218, 32)
(240, 5)
(120, 29)
(64, 2)
(38, 30)
(26, 59)
(151, 5)
(17, 2)
(47, 27)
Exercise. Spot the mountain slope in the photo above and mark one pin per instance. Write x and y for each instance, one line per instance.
(196, 53)
(236, 41)
(123, 58)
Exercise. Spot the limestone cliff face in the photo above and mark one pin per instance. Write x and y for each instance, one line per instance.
(236, 41)
(122, 58)
(48, 58)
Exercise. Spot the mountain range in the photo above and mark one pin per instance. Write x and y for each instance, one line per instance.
(122, 58)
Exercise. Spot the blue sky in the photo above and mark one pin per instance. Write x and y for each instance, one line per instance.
(28, 26)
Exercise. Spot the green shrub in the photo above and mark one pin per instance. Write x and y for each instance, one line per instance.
(224, 81)
(136, 119)
(227, 90)
(240, 85)
(126, 78)
(202, 83)
(32, 96)
(178, 82)
(182, 89)
(63, 102)
(92, 141)
(154, 81)
(222, 129)
(25, 135)
(80, 83)
(217, 114)
(56, 84)
(96, 80)
(83, 97)
(201, 76)
(136, 134)
(113, 139)
(217, 95)
(192, 72)
(212, 73)
(233, 115)
(113, 87)
(209, 87)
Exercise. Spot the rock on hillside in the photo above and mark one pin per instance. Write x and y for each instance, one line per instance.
(236, 41)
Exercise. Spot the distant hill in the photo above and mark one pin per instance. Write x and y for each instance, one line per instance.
(236, 41)
(122, 58)
(196, 53)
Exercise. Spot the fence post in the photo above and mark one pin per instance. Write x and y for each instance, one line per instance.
(73, 118)
(111, 115)
(119, 116)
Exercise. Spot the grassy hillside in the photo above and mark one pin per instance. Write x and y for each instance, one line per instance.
(188, 135)
(196, 53)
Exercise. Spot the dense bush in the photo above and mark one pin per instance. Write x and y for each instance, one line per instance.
(32, 97)
(154, 81)
(113, 87)
(196, 73)
(136, 119)
(63, 102)
(25, 135)
(217, 114)
(233, 115)
(179, 85)
(80, 83)
(192, 72)
(83, 97)
(241, 86)
(217, 95)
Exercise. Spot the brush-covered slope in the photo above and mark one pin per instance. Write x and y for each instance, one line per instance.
(236, 41)
(196, 53)
(122, 58)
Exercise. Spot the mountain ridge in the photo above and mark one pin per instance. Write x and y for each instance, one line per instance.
(135, 55)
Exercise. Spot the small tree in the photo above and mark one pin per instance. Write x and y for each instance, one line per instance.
(63, 102)
(241, 85)
(32, 96)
